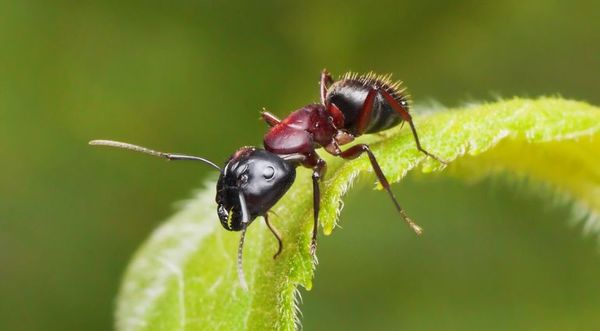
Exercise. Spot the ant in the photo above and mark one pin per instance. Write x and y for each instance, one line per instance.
(254, 179)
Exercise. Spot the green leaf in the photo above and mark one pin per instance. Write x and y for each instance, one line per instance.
(184, 276)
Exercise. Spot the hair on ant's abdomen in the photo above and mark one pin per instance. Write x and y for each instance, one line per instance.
(349, 94)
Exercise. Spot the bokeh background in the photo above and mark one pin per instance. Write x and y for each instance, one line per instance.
(191, 76)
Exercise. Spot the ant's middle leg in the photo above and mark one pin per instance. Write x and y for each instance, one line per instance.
(326, 80)
(356, 151)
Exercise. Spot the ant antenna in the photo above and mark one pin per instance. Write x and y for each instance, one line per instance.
(245, 221)
(136, 148)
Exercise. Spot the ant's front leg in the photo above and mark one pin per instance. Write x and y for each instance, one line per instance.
(269, 118)
(318, 172)
(275, 233)
(356, 151)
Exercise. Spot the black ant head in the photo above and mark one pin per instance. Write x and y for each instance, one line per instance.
(252, 181)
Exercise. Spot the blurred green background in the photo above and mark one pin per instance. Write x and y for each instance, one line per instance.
(190, 77)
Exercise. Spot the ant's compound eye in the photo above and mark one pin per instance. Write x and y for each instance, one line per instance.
(268, 172)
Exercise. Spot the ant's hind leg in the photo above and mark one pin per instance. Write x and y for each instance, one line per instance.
(366, 110)
(356, 151)
(403, 112)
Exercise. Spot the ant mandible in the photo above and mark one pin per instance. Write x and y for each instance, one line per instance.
(254, 179)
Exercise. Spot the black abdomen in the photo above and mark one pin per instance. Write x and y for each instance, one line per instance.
(349, 95)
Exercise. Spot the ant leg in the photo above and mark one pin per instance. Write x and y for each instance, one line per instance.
(406, 117)
(336, 114)
(273, 212)
(332, 109)
(275, 233)
(365, 112)
(326, 80)
(318, 172)
(269, 118)
(354, 152)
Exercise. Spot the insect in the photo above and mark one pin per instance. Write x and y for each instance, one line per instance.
(254, 179)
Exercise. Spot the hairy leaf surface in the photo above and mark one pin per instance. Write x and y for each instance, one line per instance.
(184, 276)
